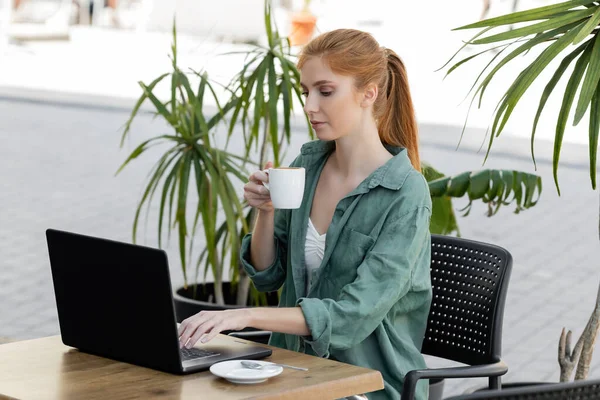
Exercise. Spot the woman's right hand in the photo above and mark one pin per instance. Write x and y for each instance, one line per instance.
(255, 193)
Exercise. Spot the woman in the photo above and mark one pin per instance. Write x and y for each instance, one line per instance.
(354, 258)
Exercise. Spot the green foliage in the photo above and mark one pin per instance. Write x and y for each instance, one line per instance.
(557, 27)
(492, 187)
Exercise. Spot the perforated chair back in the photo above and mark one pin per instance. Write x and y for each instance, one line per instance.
(469, 281)
(578, 390)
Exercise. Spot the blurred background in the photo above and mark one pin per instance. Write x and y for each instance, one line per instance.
(69, 73)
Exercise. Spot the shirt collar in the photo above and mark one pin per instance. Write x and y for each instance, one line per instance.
(391, 175)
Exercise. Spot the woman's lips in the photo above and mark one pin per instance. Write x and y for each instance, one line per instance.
(316, 124)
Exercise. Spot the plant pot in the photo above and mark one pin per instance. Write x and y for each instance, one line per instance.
(303, 26)
(186, 304)
(436, 389)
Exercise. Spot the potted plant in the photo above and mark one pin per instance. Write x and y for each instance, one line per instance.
(569, 31)
(267, 81)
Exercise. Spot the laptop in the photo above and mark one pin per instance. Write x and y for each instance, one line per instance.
(115, 300)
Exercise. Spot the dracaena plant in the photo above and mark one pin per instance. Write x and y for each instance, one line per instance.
(567, 31)
(191, 167)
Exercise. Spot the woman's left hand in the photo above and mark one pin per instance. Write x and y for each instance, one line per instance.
(210, 323)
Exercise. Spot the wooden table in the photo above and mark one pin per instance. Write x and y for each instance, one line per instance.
(47, 369)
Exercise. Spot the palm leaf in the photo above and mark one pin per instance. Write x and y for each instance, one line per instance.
(545, 12)
(540, 27)
(565, 108)
(594, 130)
(590, 82)
(550, 87)
(589, 26)
(520, 86)
(521, 49)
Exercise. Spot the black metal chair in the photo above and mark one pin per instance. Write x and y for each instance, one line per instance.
(578, 390)
(470, 281)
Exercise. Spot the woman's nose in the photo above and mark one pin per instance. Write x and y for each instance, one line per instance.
(310, 105)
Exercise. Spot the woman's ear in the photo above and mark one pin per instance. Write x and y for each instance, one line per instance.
(369, 95)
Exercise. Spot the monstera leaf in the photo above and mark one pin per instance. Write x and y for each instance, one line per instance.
(493, 187)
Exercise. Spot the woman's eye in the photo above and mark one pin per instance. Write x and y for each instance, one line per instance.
(326, 93)
(304, 93)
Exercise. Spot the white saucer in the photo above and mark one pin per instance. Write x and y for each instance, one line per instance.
(235, 373)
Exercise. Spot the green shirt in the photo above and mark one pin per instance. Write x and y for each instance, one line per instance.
(370, 299)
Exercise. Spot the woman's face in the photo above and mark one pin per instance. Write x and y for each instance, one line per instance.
(332, 102)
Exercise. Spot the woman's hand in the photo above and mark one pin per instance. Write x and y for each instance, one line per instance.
(210, 323)
(255, 193)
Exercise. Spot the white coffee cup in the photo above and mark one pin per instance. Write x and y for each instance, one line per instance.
(286, 185)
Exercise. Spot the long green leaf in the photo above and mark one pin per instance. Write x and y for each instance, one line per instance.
(464, 60)
(589, 26)
(550, 87)
(140, 149)
(182, 206)
(162, 110)
(528, 15)
(565, 108)
(593, 131)
(287, 107)
(475, 95)
(156, 174)
(513, 54)
(259, 98)
(540, 27)
(168, 182)
(465, 44)
(590, 82)
(138, 104)
(272, 108)
(520, 86)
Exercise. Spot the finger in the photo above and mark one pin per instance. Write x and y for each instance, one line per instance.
(258, 188)
(268, 165)
(192, 324)
(185, 335)
(202, 329)
(257, 191)
(259, 177)
(183, 326)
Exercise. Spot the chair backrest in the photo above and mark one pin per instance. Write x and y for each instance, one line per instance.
(578, 390)
(469, 281)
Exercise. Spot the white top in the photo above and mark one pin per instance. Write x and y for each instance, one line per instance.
(313, 252)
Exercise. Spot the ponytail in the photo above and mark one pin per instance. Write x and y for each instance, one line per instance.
(397, 124)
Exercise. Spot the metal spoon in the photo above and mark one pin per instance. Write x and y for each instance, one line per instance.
(254, 365)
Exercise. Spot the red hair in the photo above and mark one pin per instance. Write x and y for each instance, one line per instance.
(355, 53)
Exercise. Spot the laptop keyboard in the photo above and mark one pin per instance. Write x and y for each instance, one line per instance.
(194, 353)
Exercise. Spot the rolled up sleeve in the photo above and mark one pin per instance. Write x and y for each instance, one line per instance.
(384, 277)
(273, 277)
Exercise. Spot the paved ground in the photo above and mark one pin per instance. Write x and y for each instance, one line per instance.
(58, 162)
